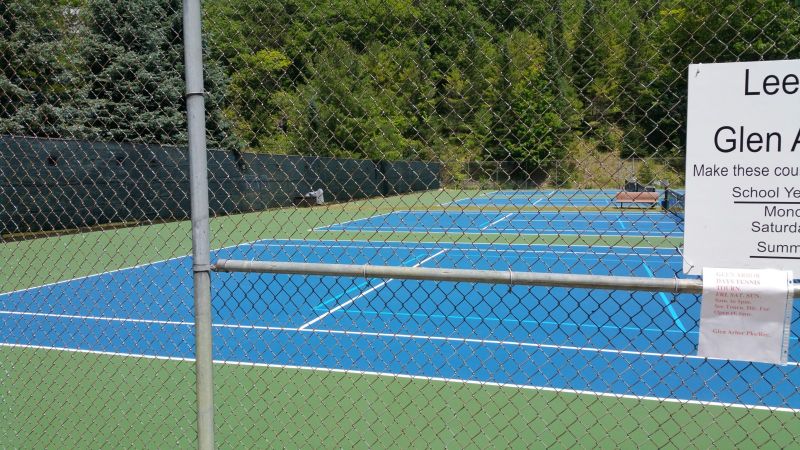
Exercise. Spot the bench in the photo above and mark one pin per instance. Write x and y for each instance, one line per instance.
(626, 199)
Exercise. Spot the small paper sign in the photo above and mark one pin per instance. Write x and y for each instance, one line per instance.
(746, 314)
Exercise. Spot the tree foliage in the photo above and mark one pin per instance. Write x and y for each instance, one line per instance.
(458, 80)
(37, 62)
(133, 55)
(694, 31)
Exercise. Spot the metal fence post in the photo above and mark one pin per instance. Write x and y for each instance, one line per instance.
(195, 109)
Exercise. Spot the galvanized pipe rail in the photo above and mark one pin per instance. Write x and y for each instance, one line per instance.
(673, 285)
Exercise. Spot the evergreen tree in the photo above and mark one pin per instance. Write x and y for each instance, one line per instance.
(707, 31)
(133, 52)
(634, 82)
(586, 57)
(496, 142)
(38, 84)
(565, 116)
(528, 125)
(555, 67)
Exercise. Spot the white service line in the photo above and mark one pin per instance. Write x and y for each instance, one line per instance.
(97, 318)
(498, 221)
(376, 244)
(323, 227)
(372, 289)
(455, 202)
(85, 277)
(571, 232)
(498, 342)
(557, 251)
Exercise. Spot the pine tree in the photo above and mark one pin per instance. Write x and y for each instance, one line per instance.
(587, 59)
(528, 124)
(633, 83)
(38, 84)
(133, 52)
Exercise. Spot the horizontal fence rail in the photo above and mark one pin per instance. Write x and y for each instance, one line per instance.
(673, 285)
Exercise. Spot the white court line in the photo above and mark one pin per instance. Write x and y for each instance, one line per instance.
(138, 266)
(333, 242)
(424, 337)
(95, 318)
(144, 321)
(455, 202)
(538, 213)
(570, 232)
(322, 227)
(421, 378)
(372, 289)
(498, 221)
(467, 230)
(560, 254)
(546, 217)
(498, 342)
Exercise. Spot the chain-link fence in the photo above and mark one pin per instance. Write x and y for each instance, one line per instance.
(393, 149)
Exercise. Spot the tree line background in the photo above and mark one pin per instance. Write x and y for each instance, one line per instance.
(542, 84)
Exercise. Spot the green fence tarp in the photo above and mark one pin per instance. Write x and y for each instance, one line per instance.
(51, 184)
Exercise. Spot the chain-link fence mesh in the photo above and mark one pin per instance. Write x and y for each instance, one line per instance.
(530, 136)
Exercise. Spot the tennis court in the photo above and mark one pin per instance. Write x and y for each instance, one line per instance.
(542, 223)
(475, 333)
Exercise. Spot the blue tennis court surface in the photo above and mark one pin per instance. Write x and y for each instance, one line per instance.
(600, 342)
(585, 223)
(541, 198)
(558, 198)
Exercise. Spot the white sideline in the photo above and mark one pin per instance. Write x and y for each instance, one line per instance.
(472, 244)
(422, 378)
(572, 232)
(498, 221)
(476, 247)
(372, 289)
(370, 334)
(322, 228)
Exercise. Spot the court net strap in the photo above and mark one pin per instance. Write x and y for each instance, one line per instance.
(609, 282)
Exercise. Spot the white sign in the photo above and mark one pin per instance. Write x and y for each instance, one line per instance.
(745, 315)
(743, 166)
